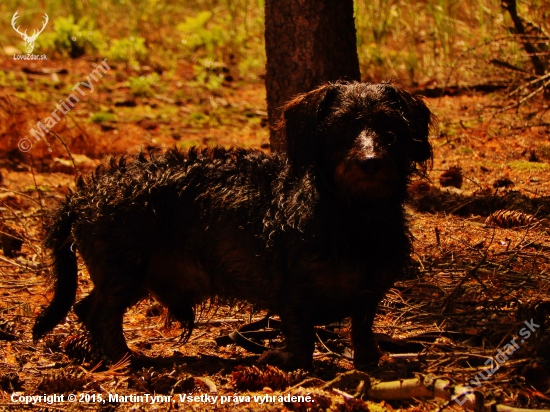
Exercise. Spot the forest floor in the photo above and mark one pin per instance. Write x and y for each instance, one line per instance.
(475, 283)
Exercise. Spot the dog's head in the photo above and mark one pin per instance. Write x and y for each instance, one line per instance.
(370, 137)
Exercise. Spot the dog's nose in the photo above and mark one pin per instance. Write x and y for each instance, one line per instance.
(371, 165)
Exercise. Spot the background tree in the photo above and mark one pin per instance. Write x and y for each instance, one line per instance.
(531, 36)
(307, 43)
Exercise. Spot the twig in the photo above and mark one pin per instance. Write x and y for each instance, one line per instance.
(22, 194)
(468, 275)
(65, 146)
(521, 101)
(525, 85)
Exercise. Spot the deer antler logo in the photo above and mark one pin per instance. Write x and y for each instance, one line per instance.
(29, 40)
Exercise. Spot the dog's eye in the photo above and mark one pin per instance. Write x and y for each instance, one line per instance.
(340, 126)
(389, 137)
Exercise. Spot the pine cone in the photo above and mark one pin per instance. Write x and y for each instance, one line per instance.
(254, 378)
(502, 182)
(68, 380)
(81, 349)
(54, 342)
(509, 218)
(451, 177)
(420, 186)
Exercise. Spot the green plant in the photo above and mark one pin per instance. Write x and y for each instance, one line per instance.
(529, 166)
(201, 32)
(70, 38)
(102, 117)
(209, 74)
(128, 50)
(186, 144)
(228, 31)
(198, 118)
(465, 150)
(22, 84)
(143, 86)
(8, 79)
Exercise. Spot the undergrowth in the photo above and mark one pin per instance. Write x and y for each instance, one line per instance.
(418, 42)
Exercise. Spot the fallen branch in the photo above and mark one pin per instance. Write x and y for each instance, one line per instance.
(429, 386)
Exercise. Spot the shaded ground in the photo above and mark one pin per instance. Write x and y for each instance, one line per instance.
(474, 285)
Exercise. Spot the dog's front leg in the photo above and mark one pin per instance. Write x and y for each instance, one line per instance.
(366, 351)
(300, 337)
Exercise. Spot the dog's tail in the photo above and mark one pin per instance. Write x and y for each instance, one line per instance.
(65, 271)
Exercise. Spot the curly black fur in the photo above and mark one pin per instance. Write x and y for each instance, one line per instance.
(315, 237)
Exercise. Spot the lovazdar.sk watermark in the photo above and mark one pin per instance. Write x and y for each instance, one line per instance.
(29, 40)
(493, 364)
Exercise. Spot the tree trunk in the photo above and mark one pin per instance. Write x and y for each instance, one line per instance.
(527, 34)
(308, 42)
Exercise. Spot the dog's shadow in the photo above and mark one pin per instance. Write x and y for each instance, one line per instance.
(201, 364)
(436, 200)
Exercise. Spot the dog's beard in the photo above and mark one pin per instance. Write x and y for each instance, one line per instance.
(354, 182)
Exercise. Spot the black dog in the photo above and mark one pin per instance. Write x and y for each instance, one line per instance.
(315, 237)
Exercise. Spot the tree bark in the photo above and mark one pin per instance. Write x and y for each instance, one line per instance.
(528, 34)
(308, 42)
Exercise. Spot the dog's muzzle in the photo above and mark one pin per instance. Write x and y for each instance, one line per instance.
(371, 165)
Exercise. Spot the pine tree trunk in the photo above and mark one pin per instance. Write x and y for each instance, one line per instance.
(308, 42)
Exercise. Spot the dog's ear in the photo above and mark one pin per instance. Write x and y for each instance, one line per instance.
(420, 120)
(301, 122)
(421, 148)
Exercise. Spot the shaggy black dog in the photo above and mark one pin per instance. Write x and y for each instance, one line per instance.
(314, 237)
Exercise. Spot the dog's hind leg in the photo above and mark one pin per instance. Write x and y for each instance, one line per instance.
(117, 286)
(82, 308)
(179, 282)
(179, 307)
(299, 336)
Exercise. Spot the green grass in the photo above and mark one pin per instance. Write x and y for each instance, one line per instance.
(186, 144)
(465, 150)
(19, 81)
(144, 86)
(102, 117)
(529, 166)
